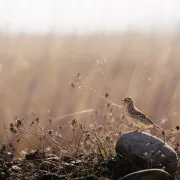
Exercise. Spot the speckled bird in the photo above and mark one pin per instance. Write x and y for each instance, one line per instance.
(136, 117)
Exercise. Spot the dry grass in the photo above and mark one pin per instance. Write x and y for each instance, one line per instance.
(89, 151)
(36, 73)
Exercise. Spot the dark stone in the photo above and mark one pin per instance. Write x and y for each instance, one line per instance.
(67, 158)
(16, 168)
(148, 174)
(146, 151)
(35, 155)
(68, 166)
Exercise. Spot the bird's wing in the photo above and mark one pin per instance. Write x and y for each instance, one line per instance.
(139, 115)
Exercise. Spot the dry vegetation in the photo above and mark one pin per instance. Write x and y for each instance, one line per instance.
(37, 77)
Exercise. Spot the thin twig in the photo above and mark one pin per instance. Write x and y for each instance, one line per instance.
(73, 114)
(29, 142)
(10, 144)
(78, 145)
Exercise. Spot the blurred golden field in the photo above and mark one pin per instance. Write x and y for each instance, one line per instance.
(36, 72)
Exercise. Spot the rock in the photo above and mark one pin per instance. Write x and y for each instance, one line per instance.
(16, 168)
(8, 156)
(68, 166)
(46, 165)
(53, 159)
(147, 151)
(35, 155)
(77, 162)
(148, 174)
(67, 158)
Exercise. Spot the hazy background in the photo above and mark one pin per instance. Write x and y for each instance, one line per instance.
(82, 16)
(43, 43)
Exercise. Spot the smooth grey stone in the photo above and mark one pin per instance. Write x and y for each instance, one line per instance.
(147, 151)
(148, 174)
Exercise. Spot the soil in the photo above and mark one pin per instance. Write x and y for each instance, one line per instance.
(39, 165)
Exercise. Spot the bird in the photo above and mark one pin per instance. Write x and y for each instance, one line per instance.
(136, 117)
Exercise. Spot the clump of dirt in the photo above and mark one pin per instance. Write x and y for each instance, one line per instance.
(40, 165)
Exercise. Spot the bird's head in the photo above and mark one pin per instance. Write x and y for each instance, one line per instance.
(128, 101)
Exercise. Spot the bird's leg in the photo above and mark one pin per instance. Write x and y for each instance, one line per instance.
(137, 130)
(140, 129)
